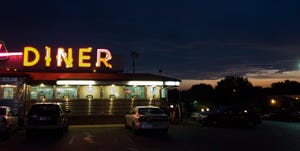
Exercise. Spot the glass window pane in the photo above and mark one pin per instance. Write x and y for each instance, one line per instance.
(41, 92)
(8, 93)
(134, 92)
(66, 92)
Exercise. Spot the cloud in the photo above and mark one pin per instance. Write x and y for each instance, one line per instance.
(263, 78)
(275, 73)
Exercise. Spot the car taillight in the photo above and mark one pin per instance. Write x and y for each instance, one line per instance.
(142, 118)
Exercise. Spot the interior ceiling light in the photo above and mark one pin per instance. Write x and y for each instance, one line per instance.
(157, 83)
(75, 82)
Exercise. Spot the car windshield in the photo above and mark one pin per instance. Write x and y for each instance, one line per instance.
(2, 111)
(44, 109)
(145, 111)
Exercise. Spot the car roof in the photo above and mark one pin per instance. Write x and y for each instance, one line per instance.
(146, 107)
(46, 103)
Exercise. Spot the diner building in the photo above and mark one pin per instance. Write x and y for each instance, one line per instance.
(85, 82)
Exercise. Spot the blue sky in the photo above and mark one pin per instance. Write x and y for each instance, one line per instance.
(191, 39)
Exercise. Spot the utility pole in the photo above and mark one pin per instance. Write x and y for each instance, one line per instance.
(134, 55)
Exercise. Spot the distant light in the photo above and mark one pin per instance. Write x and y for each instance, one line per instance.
(273, 101)
(75, 82)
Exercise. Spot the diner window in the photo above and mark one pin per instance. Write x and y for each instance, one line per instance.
(41, 92)
(66, 92)
(164, 92)
(8, 93)
(89, 92)
(136, 92)
(153, 92)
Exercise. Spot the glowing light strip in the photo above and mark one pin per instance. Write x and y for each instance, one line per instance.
(145, 83)
(75, 82)
(7, 85)
(11, 54)
(172, 83)
(158, 83)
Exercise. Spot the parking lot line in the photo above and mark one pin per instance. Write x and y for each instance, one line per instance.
(97, 125)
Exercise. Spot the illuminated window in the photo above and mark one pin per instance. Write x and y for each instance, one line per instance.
(8, 93)
(136, 92)
(164, 92)
(89, 91)
(41, 92)
(153, 92)
(66, 92)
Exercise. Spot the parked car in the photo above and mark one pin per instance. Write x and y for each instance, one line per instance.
(283, 114)
(8, 120)
(46, 116)
(232, 116)
(147, 118)
(199, 115)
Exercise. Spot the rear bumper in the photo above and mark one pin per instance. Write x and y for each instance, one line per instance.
(153, 125)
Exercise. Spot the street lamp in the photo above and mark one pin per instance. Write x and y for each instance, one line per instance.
(273, 102)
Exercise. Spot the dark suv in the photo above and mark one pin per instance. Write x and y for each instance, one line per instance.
(47, 116)
(231, 115)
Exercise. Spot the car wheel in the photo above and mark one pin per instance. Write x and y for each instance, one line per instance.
(28, 133)
(125, 124)
(215, 123)
(66, 128)
(60, 132)
(134, 129)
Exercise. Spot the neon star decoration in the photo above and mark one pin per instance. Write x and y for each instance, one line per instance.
(4, 54)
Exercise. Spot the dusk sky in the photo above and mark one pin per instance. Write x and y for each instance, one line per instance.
(200, 41)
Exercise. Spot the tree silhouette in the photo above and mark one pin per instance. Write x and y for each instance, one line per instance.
(204, 93)
(234, 90)
(286, 88)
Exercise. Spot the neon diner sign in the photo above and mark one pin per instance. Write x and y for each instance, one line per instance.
(32, 56)
(64, 58)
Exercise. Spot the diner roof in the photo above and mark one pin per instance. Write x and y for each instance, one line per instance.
(35, 77)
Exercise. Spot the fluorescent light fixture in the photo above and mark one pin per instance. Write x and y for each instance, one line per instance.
(145, 83)
(172, 83)
(75, 82)
(9, 86)
(158, 83)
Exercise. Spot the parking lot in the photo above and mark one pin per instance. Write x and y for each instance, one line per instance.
(270, 135)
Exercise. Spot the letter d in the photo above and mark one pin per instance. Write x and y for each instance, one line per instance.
(26, 61)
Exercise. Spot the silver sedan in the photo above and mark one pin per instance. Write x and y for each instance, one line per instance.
(146, 118)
